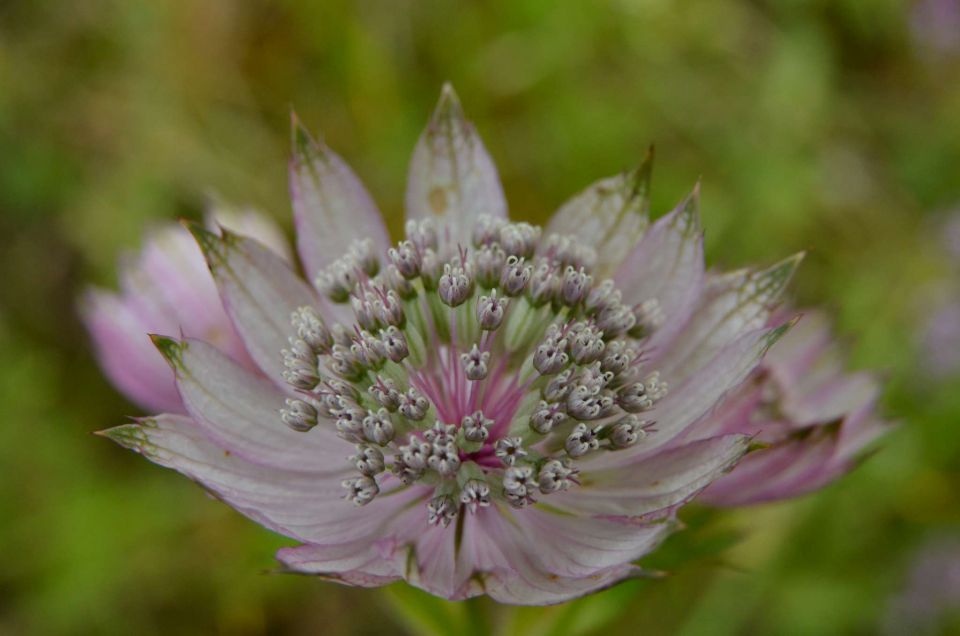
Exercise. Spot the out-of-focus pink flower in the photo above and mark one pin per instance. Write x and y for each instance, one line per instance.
(503, 387)
(936, 27)
(166, 288)
(931, 591)
(811, 417)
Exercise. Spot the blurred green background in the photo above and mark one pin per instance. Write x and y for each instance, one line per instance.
(831, 126)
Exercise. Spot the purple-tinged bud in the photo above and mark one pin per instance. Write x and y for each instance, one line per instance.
(615, 319)
(509, 450)
(581, 441)
(486, 229)
(350, 424)
(441, 511)
(394, 344)
(369, 351)
(456, 285)
(519, 480)
(475, 427)
(310, 328)
(378, 427)
(341, 335)
(388, 309)
(547, 417)
(576, 284)
(475, 363)
(440, 433)
(338, 280)
(415, 454)
(627, 431)
(445, 459)
(641, 396)
(587, 345)
(406, 258)
(406, 474)
(601, 296)
(519, 239)
(617, 357)
(490, 311)
(413, 405)
(422, 233)
(516, 273)
(550, 356)
(361, 490)
(394, 280)
(556, 475)
(567, 250)
(488, 262)
(544, 284)
(648, 317)
(385, 392)
(368, 460)
(475, 494)
(558, 388)
(299, 415)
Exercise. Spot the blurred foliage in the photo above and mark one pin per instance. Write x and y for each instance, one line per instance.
(825, 125)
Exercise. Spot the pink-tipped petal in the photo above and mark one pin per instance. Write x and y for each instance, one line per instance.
(241, 411)
(331, 207)
(452, 177)
(666, 265)
(660, 482)
(731, 305)
(126, 354)
(259, 292)
(610, 215)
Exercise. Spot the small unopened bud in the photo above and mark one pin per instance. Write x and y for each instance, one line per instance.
(519, 239)
(576, 284)
(476, 428)
(547, 417)
(422, 233)
(558, 387)
(378, 427)
(475, 363)
(486, 229)
(406, 258)
(350, 424)
(299, 415)
(361, 490)
(310, 328)
(394, 344)
(550, 356)
(368, 460)
(519, 481)
(516, 273)
(489, 261)
(413, 405)
(415, 454)
(544, 284)
(384, 391)
(556, 475)
(627, 431)
(581, 440)
(456, 285)
(615, 319)
(445, 459)
(510, 449)
(587, 345)
(490, 311)
(475, 494)
(441, 511)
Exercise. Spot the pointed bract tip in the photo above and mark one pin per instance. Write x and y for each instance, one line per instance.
(777, 332)
(448, 106)
(170, 348)
(302, 142)
(641, 179)
(130, 436)
(209, 242)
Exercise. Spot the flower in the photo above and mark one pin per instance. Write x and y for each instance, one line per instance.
(486, 406)
(166, 289)
(812, 419)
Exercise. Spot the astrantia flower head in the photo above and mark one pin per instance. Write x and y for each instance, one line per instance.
(485, 406)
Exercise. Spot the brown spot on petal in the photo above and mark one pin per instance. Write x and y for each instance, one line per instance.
(438, 201)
